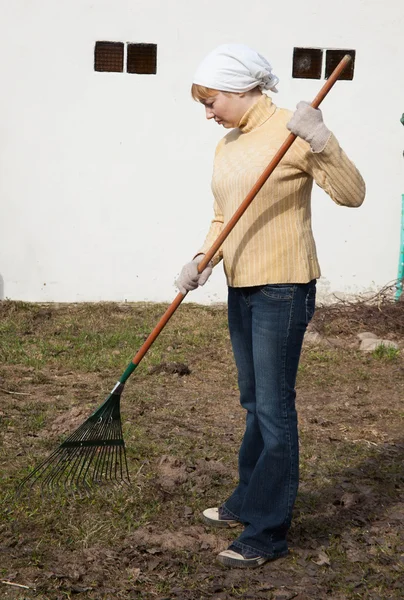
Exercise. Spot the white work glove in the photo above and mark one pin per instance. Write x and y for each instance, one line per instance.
(189, 278)
(307, 122)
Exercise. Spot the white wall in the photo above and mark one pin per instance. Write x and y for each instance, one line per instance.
(105, 177)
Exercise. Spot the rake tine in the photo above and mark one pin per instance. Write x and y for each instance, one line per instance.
(72, 460)
(122, 451)
(109, 462)
(123, 466)
(78, 476)
(45, 472)
(52, 480)
(97, 473)
(116, 452)
(104, 426)
(114, 457)
(104, 463)
(87, 462)
(101, 454)
(35, 474)
(70, 464)
(111, 453)
(122, 461)
(91, 452)
(83, 458)
(117, 457)
(119, 464)
(87, 466)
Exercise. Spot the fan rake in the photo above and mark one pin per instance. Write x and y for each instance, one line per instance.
(95, 452)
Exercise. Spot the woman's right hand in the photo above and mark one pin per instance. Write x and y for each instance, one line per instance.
(189, 278)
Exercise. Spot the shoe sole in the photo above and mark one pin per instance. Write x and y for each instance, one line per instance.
(242, 564)
(221, 523)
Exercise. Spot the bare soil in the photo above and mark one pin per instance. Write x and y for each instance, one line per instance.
(182, 426)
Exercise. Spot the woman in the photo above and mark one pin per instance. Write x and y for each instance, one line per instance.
(271, 267)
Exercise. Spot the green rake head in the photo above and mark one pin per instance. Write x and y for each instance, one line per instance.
(93, 454)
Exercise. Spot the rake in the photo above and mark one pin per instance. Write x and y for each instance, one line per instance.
(95, 452)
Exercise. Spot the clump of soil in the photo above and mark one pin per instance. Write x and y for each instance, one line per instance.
(191, 538)
(172, 368)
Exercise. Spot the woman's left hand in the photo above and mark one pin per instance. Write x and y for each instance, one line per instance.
(307, 123)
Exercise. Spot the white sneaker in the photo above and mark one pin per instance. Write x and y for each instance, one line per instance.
(219, 517)
(235, 557)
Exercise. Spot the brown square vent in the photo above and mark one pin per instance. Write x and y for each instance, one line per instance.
(333, 57)
(142, 59)
(108, 56)
(307, 63)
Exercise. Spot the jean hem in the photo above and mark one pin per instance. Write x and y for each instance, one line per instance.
(230, 513)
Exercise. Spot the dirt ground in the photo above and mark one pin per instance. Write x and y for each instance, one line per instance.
(182, 426)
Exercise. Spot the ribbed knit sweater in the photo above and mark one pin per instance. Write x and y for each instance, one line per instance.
(273, 241)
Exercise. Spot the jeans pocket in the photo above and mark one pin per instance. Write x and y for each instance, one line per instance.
(277, 291)
(310, 302)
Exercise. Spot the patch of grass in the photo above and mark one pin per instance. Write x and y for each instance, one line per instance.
(383, 352)
(92, 338)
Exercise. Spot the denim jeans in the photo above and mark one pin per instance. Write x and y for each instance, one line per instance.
(267, 325)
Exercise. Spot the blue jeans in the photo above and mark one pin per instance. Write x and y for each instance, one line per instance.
(267, 325)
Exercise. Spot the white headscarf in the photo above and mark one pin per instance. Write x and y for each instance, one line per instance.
(235, 68)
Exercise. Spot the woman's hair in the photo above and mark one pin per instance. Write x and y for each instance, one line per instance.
(200, 92)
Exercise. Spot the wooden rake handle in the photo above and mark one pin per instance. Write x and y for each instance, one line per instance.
(237, 215)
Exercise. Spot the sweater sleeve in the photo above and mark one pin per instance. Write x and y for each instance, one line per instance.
(215, 229)
(332, 170)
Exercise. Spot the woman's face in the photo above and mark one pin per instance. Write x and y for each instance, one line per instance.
(225, 108)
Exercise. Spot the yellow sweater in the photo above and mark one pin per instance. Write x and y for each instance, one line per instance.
(273, 241)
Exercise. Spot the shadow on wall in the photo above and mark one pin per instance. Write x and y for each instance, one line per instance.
(1, 288)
